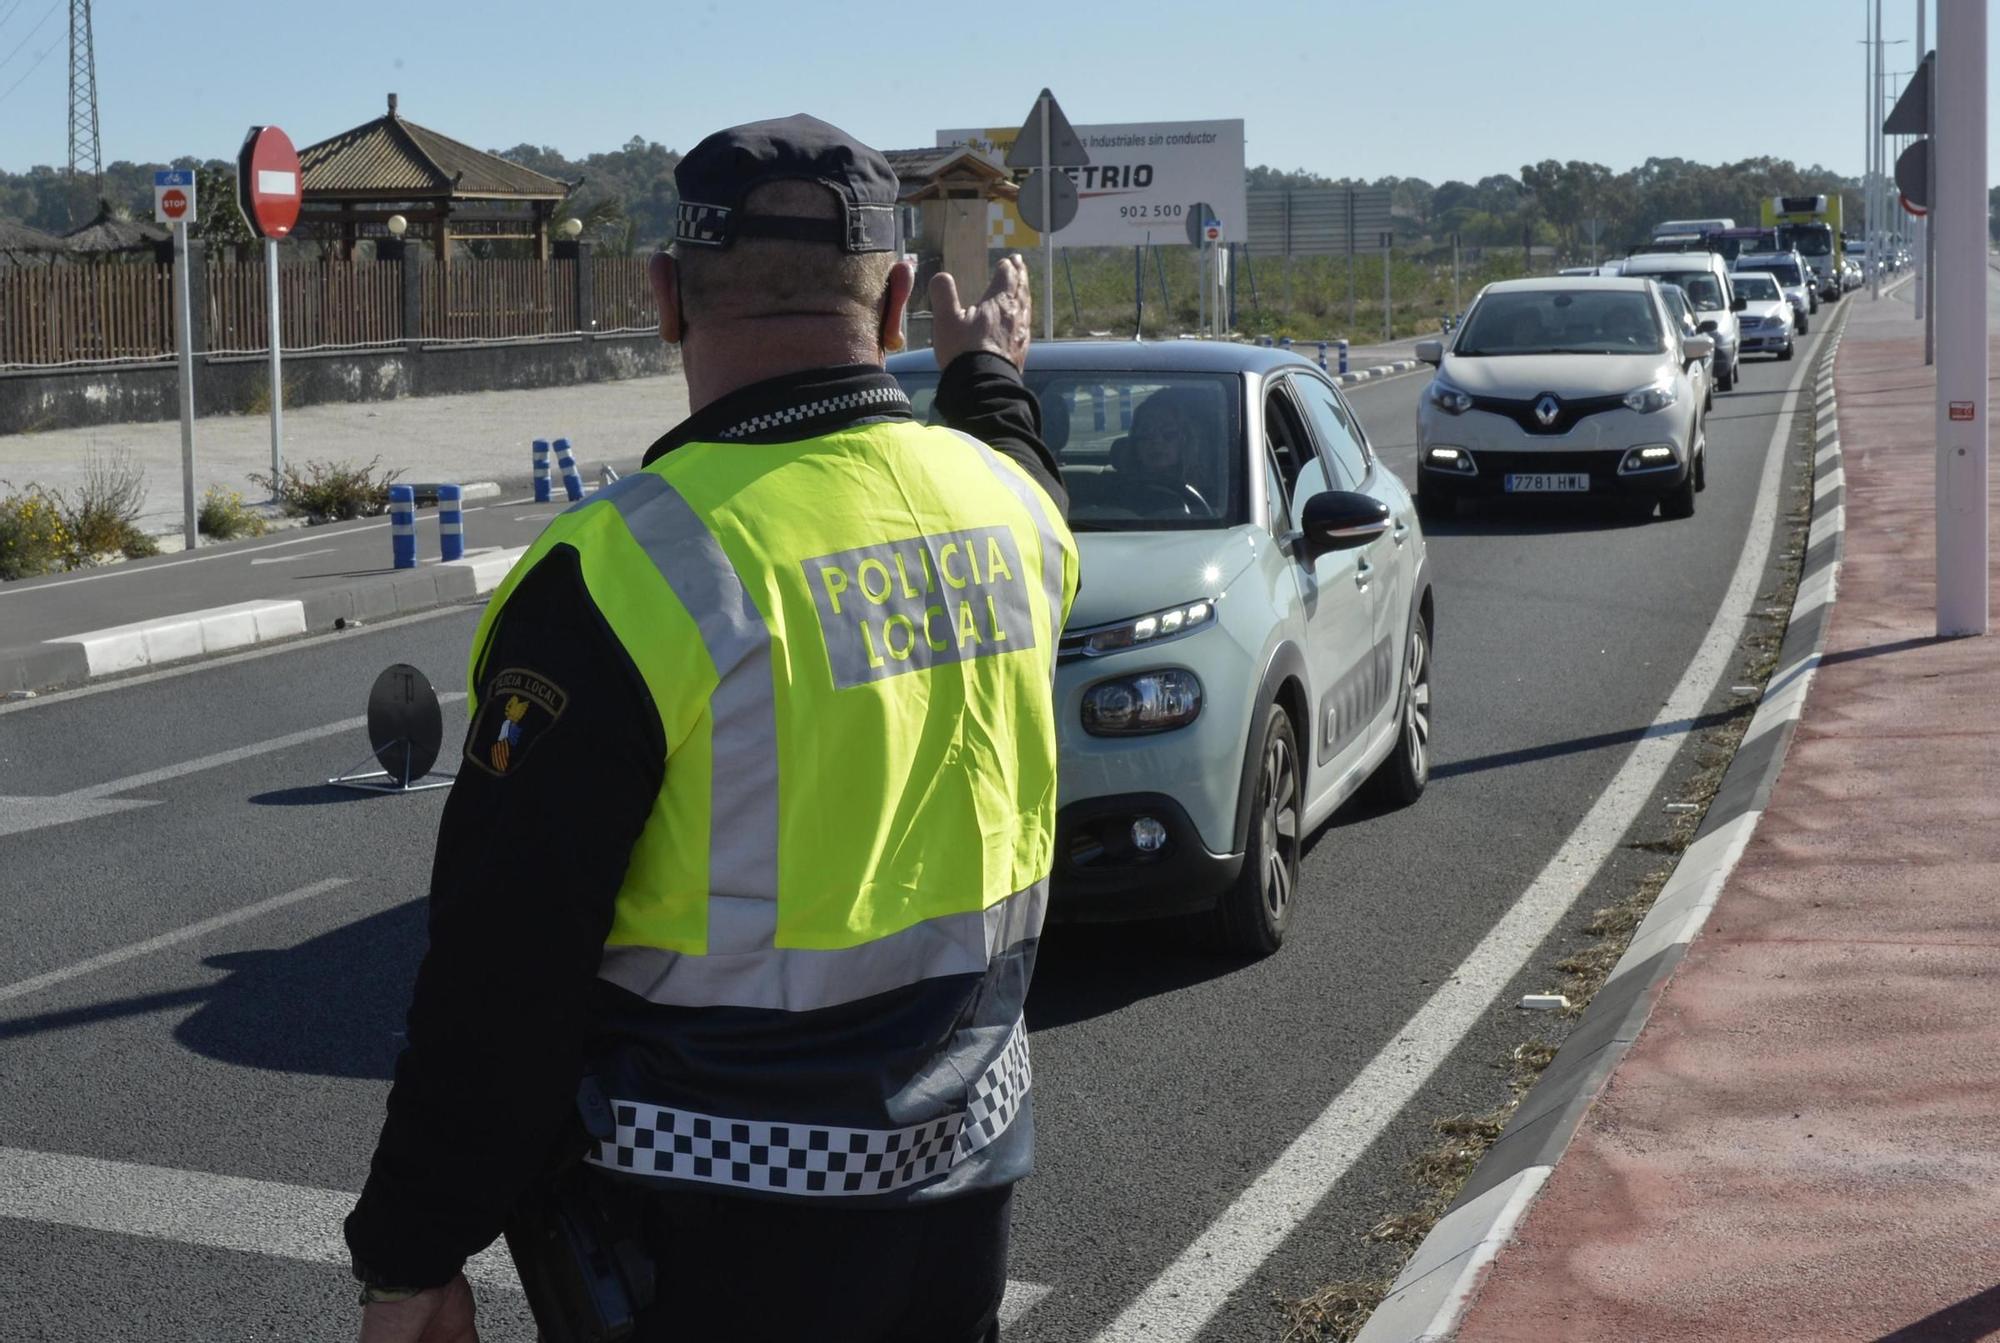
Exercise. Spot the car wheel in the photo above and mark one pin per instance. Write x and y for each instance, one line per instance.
(1785, 353)
(1804, 325)
(1701, 465)
(1678, 503)
(1253, 914)
(1399, 780)
(1725, 378)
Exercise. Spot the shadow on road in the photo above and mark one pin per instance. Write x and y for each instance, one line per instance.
(1087, 970)
(329, 1007)
(310, 795)
(1541, 517)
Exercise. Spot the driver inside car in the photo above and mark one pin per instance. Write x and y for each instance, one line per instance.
(1163, 454)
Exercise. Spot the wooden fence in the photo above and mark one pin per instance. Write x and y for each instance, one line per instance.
(495, 300)
(621, 297)
(69, 314)
(322, 303)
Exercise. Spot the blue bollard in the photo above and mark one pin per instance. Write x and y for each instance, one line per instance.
(541, 470)
(403, 525)
(1341, 345)
(572, 482)
(1322, 356)
(1285, 343)
(451, 521)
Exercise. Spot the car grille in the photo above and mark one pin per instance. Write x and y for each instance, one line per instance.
(1568, 412)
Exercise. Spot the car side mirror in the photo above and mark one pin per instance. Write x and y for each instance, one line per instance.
(1697, 347)
(1710, 327)
(1738, 304)
(1430, 352)
(1342, 520)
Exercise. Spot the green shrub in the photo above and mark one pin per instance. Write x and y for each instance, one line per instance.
(330, 491)
(101, 515)
(224, 517)
(33, 539)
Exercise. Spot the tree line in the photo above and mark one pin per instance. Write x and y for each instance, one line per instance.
(626, 197)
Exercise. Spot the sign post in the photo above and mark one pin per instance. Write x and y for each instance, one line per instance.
(1959, 215)
(174, 205)
(267, 192)
(1046, 142)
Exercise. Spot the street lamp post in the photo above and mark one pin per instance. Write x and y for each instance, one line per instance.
(1959, 209)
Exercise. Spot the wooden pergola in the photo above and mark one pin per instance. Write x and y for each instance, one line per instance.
(447, 191)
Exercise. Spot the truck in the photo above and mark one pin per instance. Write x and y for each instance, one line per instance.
(1810, 226)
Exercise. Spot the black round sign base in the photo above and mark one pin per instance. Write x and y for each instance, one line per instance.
(405, 733)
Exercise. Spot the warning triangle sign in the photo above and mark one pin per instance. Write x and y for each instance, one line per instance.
(1065, 150)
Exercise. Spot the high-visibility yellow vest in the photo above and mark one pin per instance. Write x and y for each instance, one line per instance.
(850, 642)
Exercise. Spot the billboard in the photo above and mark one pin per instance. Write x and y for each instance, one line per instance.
(1143, 178)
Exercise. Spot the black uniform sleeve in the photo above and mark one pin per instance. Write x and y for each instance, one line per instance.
(982, 394)
(561, 766)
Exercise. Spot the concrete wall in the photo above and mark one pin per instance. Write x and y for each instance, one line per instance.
(66, 398)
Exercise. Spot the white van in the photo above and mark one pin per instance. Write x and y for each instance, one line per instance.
(1704, 278)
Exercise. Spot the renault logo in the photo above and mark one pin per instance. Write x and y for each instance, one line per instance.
(1547, 409)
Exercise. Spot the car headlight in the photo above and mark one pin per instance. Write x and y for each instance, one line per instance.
(1159, 625)
(1131, 706)
(1448, 398)
(1646, 400)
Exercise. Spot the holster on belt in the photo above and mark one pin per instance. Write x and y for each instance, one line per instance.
(576, 1242)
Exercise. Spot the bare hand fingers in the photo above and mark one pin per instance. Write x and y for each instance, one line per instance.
(944, 294)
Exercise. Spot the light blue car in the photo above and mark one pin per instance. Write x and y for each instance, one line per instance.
(1251, 642)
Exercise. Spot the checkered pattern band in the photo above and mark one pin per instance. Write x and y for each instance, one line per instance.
(809, 1159)
(706, 225)
(811, 410)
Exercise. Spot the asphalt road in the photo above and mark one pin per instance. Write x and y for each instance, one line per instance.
(1167, 1082)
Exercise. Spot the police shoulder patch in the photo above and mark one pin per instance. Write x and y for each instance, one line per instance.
(519, 708)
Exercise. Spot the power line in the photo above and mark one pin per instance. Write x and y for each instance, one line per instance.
(11, 11)
(47, 52)
(20, 46)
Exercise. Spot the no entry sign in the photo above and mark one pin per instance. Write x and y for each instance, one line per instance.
(267, 182)
(173, 196)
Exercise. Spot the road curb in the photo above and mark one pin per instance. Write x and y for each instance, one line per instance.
(1430, 1296)
(1353, 376)
(78, 659)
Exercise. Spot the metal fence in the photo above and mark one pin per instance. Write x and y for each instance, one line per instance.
(96, 313)
(85, 314)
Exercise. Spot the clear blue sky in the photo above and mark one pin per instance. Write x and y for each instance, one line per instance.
(1429, 88)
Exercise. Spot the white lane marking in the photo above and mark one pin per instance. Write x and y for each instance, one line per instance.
(230, 1212)
(35, 983)
(134, 782)
(1178, 1304)
(222, 1212)
(302, 555)
(232, 553)
(18, 815)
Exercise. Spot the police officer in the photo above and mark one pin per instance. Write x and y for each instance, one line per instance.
(757, 811)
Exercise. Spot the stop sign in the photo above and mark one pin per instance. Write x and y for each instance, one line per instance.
(267, 182)
(173, 203)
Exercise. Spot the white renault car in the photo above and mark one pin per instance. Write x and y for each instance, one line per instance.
(1251, 643)
(1793, 275)
(1566, 387)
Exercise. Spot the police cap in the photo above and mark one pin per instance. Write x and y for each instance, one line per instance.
(722, 170)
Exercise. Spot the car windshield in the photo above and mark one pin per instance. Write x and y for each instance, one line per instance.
(1140, 452)
(1562, 321)
(1703, 290)
(1808, 239)
(1786, 272)
(1757, 286)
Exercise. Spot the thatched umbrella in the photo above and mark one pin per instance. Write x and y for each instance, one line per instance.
(108, 233)
(22, 245)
